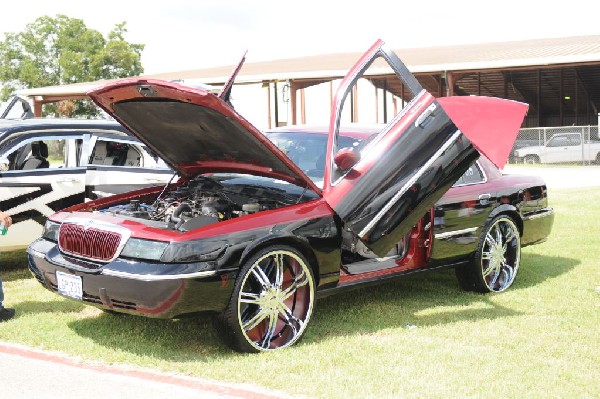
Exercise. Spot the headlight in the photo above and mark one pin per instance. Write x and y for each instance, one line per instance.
(144, 249)
(51, 230)
(194, 251)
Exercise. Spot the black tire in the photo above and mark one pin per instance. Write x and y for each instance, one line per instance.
(531, 159)
(496, 261)
(272, 301)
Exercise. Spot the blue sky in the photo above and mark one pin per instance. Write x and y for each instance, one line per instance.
(191, 34)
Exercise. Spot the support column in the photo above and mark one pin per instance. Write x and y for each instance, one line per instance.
(293, 90)
(385, 110)
(376, 104)
(330, 96)
(302, 106)
(539, 98)
(269, 105)
(401, 95)
(276, 104)
(450, 83)
(576, 103)
(355, 104)
(561, 95)
(37, 108)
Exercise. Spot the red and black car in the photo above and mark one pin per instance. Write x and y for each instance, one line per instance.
(252, 233)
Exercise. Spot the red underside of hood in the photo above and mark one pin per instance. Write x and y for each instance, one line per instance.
(194, 131)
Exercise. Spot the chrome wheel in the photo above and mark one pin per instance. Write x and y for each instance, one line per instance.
(500, 255)
(496, 261)
(275, 299)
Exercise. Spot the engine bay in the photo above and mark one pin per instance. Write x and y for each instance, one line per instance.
(206, 200)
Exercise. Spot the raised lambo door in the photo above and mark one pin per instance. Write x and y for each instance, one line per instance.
(385, 190)
(405, 168)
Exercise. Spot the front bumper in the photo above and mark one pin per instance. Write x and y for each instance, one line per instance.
(137, 287)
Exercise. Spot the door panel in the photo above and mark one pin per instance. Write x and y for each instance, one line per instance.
(102, 181)
(460, 215)
(31, 196)
(383, 201)
(405, 169)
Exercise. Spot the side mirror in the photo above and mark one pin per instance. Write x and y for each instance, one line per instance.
(4, 164)
(346, 158)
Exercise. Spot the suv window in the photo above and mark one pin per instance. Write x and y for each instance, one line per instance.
(42, 154)
(115, 153)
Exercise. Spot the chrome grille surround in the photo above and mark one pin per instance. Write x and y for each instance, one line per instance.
(90, 239)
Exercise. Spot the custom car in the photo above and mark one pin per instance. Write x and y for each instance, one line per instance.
(247, 234)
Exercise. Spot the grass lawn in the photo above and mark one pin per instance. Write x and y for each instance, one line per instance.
(417, 337)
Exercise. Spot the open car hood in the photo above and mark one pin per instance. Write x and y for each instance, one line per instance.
(194, 131)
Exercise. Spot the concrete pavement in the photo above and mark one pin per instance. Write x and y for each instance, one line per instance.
(28, 373)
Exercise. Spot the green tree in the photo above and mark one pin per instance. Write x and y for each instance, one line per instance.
(62, 50)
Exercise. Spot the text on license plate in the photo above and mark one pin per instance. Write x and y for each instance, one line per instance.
(69, 285)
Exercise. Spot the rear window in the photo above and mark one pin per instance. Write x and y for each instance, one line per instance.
(473, 175)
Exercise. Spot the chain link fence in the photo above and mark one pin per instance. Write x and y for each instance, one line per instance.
(575, 145)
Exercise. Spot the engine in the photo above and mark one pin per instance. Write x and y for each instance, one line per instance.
(201, 202)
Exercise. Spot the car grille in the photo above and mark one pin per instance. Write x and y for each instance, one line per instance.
(90, 243)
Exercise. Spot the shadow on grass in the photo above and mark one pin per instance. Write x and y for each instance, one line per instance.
(13, 260)
(421, 299)
(182, 340)
(536, 269)
(424, 299)
(33, 307)
(14, 275)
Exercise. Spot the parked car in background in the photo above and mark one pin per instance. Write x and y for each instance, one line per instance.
(50, 164)
(563, 147)
(252, 233)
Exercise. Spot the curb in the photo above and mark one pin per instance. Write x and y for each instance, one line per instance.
(227, 390)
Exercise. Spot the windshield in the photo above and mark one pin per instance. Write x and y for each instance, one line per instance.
(307, 150)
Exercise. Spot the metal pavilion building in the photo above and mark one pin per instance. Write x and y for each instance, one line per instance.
(559, 78)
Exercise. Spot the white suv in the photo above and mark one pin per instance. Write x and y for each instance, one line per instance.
(49, 164)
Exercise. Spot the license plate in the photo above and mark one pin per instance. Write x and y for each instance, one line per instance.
(69, 285)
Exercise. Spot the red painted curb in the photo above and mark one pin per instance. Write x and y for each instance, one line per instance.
(187, 382)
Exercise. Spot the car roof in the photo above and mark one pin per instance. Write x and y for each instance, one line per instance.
(57, 123)
(363, 131)
(355, 130)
